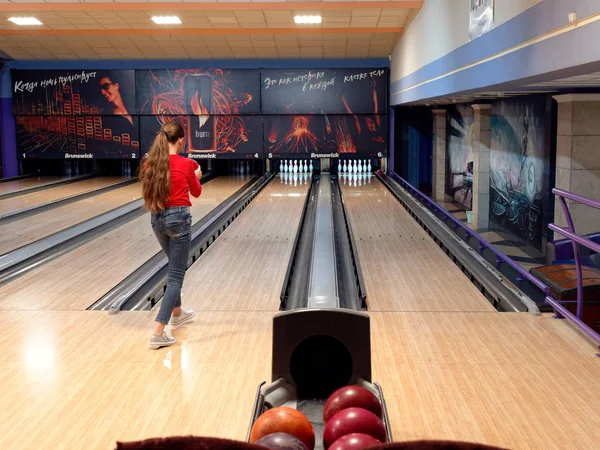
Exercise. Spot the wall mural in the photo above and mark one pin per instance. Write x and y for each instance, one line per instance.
(104, 113)
(519, 156)
(459, 151)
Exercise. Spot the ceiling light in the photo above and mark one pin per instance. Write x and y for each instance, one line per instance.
(307, 19)
(25, 21)
(166, 20)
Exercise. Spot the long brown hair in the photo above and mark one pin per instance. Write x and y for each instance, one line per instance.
(155, 172)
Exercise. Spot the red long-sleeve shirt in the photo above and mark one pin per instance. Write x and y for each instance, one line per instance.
(183, 180)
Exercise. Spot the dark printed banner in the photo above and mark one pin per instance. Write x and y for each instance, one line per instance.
(326, 91)
(73, 93)
(82, 137)
(198, 92)
(216, 137)
(325, 136)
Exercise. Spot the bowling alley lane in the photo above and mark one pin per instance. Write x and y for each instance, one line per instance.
(95, 372)
(244, 269)
(403, 268)
(55, 193)
(27, 183)
(79, 278)
(29, 229)
(85, 379)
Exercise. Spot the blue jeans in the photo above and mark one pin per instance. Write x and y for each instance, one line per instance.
(173, 229)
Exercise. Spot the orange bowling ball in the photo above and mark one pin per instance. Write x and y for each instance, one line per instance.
(284, 420)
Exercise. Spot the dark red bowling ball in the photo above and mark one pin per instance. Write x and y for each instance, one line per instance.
(354, 441)
(351, 397)
(281, 441)
(353, 420)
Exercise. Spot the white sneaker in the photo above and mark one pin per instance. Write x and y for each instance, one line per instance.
(186, 316)
(161, 341)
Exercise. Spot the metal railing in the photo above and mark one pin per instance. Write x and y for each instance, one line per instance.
(500, 257)
(570, 233)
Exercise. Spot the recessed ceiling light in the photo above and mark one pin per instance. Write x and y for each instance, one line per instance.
(25, 21)
(166, 20)
(307, 19)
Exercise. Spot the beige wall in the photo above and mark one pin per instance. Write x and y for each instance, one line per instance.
(578, 158)
(440, 27)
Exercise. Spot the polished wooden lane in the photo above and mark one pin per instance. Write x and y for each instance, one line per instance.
(29, 229)
(86, 379)
(56, 193)
(83, 380)
(403, 268)
(79, 278)
(27, 183)
(508, 379)
(244, 269)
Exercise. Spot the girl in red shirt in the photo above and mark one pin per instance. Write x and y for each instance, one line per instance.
(167, 181)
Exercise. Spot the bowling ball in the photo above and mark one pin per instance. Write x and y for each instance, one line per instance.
(349, 397)
(281, 441)
(354, 441)
(284, 420)
(353, 420)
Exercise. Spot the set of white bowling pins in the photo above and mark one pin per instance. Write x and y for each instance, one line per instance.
(68, 171)
(354, 167)
(356, 179)
(286, 166)
(240, 167)
(294, 178)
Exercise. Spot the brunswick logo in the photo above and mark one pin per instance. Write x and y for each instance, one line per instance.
(324, 155)
(202, 155)
(80, 156)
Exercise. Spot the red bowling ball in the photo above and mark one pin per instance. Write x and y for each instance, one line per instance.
(353, 420)
(351, 397)
(354, 441)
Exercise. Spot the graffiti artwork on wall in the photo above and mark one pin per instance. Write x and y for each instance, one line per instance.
(519, 138)
(459, 160)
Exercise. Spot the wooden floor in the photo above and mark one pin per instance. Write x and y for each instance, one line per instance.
(83, 380)
(99, 265)
(403, 268)
(86, 379)
(56, 193)
(27, 183)
(245, 268)
(25, 231)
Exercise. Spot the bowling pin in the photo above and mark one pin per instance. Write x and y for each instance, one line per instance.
(295, 166)
(339, 166)
(355, 167)
(305, 167)
(280, 166)
(345, 167)
(360, 169)
(310, 167)
(369, 167)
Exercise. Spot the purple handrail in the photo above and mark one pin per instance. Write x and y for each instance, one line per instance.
(571, 234)
(501, 257)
